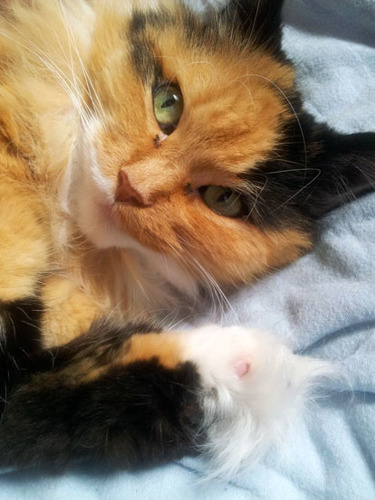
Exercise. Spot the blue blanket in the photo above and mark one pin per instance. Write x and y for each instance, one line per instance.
(324, 305)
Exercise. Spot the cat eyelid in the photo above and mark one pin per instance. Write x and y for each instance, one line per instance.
(164, 84)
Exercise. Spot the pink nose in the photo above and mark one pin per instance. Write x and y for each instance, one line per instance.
(126, 193)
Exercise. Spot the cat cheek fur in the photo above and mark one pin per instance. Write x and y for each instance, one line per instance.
(199, 239)
(178, 226)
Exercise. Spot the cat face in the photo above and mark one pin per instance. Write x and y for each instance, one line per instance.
(182, 113)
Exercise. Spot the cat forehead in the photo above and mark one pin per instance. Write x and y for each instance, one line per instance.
(153, 32)
(235, 97)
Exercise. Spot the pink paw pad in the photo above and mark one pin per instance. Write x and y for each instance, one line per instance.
(242, 367)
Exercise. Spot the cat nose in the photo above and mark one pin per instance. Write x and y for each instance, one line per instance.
(126, 193)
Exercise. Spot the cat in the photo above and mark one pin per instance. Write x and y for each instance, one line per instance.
(149, 155)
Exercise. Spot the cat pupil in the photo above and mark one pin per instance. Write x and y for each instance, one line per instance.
(169, 102)
(225, 197)
(223, 201)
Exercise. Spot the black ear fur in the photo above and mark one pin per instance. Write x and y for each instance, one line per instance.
(309, 175)
(258, 20)
(347, 169)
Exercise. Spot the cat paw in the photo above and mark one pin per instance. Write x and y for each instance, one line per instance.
(252, 387)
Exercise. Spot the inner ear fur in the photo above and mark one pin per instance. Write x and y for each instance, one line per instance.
(259, 21)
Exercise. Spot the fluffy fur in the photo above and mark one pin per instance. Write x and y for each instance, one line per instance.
(103, 216)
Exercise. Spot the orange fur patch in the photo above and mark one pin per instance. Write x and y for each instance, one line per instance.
(68, 311)
(165, 347)
(24, 245)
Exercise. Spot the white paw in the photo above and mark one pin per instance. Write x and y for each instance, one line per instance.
(252, 387)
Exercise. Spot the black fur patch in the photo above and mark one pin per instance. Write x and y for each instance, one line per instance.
(144, 62)
(129, 416)
(315, 170)
(139, 414)
(19, 339)
(142, 52)
(259, 22)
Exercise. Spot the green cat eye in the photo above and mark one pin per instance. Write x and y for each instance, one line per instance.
(224, 201)
(168, 106)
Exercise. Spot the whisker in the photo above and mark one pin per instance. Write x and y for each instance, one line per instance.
(90, 88)
(301, 189)
(53, 69)
(255, 75)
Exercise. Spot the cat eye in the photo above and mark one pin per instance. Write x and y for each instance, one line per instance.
(168, 106)
(223, 201)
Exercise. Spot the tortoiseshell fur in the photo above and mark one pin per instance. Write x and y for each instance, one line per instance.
(86, 278)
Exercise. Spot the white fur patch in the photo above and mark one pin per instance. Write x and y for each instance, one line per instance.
(253, 388)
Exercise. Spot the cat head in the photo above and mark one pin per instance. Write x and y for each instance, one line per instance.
(194, 145)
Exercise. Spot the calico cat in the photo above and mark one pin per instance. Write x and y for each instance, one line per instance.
(149, 156)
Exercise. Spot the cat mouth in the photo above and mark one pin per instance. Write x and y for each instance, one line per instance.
(109, 232)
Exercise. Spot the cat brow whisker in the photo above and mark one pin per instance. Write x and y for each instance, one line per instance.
(247, 87)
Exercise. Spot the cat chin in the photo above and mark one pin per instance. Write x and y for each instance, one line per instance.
(94, 218)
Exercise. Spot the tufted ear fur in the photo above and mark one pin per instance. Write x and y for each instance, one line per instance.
(259, 21)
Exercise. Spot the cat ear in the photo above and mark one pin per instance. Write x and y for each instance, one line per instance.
(259, 21)
(346, 167)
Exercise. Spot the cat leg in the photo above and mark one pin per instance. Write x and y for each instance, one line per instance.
(24, 240)
(68, 311)
(133, 397)
(24, 255)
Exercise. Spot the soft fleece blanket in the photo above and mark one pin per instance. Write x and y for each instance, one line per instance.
(324, 305)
